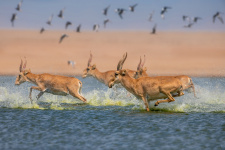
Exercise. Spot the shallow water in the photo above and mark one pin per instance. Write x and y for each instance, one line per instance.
(112, 119)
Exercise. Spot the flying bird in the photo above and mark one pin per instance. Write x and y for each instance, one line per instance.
(13, 18)
(71, 62)
(132, 7)
(154, 29)
(96, 27)
(151, 16)
(62, 37)
(18, 7)
(68, 23)
(186, 18)
(105, 22)
(164, 10)
(196, 19)
(218, 16)
(42, 30)
(105, 10)
(49, 22)
(120, 12)
(78, 28)
(189, 25)
(60, 15)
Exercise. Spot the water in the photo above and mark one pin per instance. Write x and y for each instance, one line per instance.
(112, 119)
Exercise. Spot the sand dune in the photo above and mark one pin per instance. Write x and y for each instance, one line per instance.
(167, 53)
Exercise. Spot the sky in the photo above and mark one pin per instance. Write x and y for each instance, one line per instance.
(35, 14)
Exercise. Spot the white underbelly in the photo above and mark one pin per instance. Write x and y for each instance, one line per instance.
(56, 92)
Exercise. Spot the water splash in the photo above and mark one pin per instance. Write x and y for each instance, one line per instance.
(211, 98)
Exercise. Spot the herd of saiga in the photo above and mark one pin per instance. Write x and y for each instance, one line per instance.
(136, 82)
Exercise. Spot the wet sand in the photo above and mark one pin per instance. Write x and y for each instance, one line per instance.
(167, 53)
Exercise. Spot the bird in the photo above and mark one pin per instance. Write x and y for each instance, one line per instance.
(62, 37)
(189, 25)
(196, 19)
(42, 30)
(13, 18)
(185, 18)
(151, 16)
(154, 29)
(217, 15)
(96, 27)
(18, 7)
(105, 22)
(49, 22)
(68, 23)
(71, 62)
(78, 28)
(120, 12)
(132, 7)
(60, 15)
(105, 10)
(164, 10)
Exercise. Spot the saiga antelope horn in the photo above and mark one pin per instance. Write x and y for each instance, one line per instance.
(21, 64)
(142, 65)
(90, 59)
(121, 62)
(139, 65)
(25, 64)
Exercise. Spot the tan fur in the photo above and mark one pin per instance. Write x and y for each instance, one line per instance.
(104, 77)
(149, 87)
(55, 84)
(186, 81)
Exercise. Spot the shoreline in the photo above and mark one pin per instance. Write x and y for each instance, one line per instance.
(197, 54)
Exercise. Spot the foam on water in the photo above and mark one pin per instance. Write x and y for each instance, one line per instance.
(210, 99)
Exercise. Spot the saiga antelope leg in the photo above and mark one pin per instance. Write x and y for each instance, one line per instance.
(39, 95)
(77, 95)
(170, 99)
(145, 102)
(35, 88)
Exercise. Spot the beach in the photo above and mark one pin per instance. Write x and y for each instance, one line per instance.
(167, 53)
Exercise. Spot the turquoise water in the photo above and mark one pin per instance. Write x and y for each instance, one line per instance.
(113, 119)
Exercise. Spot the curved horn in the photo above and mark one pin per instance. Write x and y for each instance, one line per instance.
(139, 65)
(143, 62)
(121, 62)
(21, 64)
(25, 64)
(90, 59)
(124, 58)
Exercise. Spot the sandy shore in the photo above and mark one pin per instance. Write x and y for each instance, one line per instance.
(167, 53)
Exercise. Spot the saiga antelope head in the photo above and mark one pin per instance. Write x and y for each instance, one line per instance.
(21, 78)
(89, 71)
(119, 71)
(141, 72)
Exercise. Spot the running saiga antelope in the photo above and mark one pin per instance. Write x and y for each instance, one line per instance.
(186, 81)
(104, 77)
(149, 88)
(55, 84)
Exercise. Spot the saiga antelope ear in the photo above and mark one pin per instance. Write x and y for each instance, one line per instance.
(124, 72)
(26, 72)
(94, 67)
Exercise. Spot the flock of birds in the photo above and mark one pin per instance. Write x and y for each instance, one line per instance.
(120, 11)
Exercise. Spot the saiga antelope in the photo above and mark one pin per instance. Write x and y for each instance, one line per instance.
(55, 84)
(186, 81)
(104, 77)
(149, 88)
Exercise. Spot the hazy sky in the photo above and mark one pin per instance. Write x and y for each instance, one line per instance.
(35, 14)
